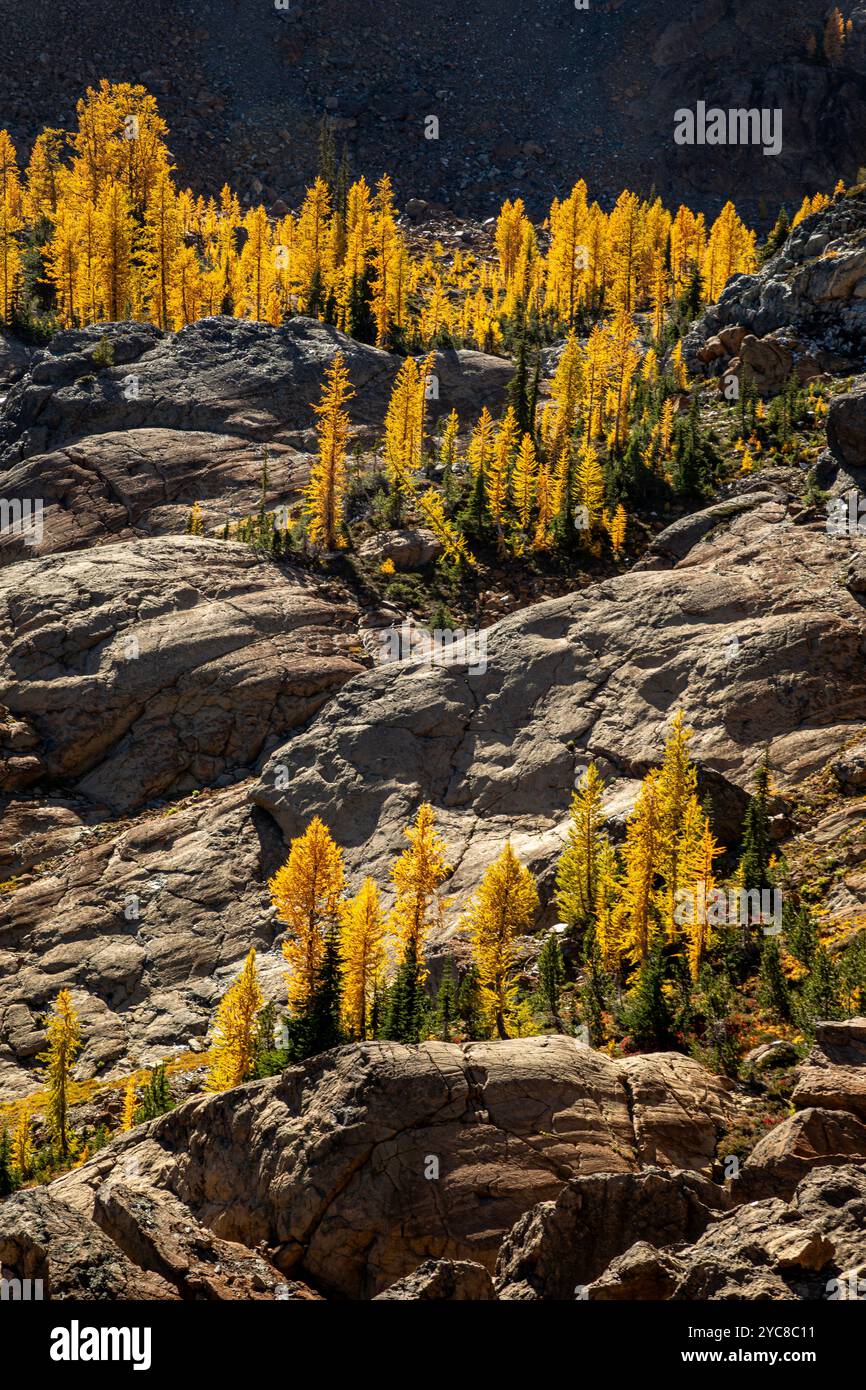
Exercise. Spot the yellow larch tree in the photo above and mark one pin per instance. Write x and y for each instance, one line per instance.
(502, 910)
(187, 288)
(568, 258)
(542, 537)
(62, 263)
(616, 527)
(499, 472)
(698, 855)
(565, 392)
(659, 295)
(730, 251)
(676, 800)
(834, 38)
(11, 226)
(22, 1141)
(232, 1043)
(88, 281)
(636, 914)
(417, 874)
(523, 483)
(127, 1115)
(306, 893)
(44, 176)
(363, 927)
(479, 452)
(326, 491)
(578, 867)
(163, 238)
(448, 452)
(64, 1044)
(312, 260)
(688, 244)
(404, 426)
(389, 285)
(608, 922)
(120, 138)
(623, 360)
(589, 484)
(625, 231)
(360, 245)
(432, 509)
(596, 372)
(678, 368)
(113, 235)
(510, 238)
(257, 269)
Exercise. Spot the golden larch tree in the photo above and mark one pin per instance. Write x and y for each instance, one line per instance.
(64, 1044)
(22, 1141)
(699, 852)
(417, 875)
(11, 226)
(589, 484)
(623, 360)
(404, 426)
(127, 1116)
(432, 509)
(502, 910)
(677, 786)
(306, 893)
(232, 1043)
(608, 922)
(44, 174)
(257, 270)
(637, 916)
(325, 496)
(616, 526)
(113, 232)
(163, 239)
(499, 472)
(578, 868)
(834, 38)
(523, 483)
(363, 927)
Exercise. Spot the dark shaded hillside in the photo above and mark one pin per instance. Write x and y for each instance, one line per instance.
(528, 96)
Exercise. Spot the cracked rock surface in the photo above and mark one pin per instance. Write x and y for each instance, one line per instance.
(351, 1170)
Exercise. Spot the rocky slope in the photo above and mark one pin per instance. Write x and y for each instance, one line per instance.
(419, 1172)
(139, 665)
(124, 450)
(750, 619)
(754, 632)
(810, 296)
(528, 98)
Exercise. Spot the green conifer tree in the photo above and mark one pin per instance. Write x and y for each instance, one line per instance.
(821, 996)
(469, 1004)
(445, 1010)
(317, 1027)
(773, 991)
(406, 1005)
(7, 1174)
(551, 974)
(646, 1015)
(755, 861)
